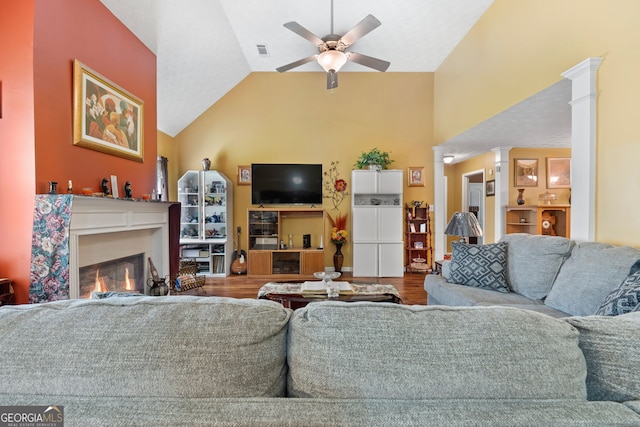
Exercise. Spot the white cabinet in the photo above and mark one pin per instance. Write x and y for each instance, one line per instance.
(206, 221)
(376, 207)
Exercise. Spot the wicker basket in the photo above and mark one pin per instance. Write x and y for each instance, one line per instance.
(187, 278)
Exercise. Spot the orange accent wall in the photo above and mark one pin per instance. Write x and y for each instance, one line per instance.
(36, 128)
(86, 30)
(17, 169)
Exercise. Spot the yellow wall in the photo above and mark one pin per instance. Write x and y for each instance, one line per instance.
(520, 47)
(292, 118)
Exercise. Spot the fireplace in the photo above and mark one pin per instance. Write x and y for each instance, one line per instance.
(118, 275)
(77, 238)
(105, 230)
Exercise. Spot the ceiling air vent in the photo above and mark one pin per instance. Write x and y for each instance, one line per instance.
(262, 49)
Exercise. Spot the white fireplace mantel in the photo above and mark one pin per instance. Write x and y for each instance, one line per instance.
(104, 228)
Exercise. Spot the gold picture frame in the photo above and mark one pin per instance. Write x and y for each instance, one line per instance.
(106, 117)
(244, 175)
(558, 172)
(415, 176)
(525, 173)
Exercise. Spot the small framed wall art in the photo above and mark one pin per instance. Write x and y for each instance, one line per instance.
(525, 173)
(491, 188)
(244, 175)
(106, 117)
(415, 176)
(558, 172)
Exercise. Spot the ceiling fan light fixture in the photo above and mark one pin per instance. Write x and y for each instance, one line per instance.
(332, 60)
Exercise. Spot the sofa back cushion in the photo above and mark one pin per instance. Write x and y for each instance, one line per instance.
(590, 274)
(612, 349)
(389, 351)
(533, 262)
(162, 347)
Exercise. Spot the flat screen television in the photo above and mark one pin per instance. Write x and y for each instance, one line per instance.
(286, 184)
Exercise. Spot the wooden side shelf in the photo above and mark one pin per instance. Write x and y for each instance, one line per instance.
(418, 240)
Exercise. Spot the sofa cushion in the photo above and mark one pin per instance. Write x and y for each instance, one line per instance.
(612, 348)
(586, 278)
(624, 299)
(533, 262)
(480, 266)
(383, 350)
(166, 347)
(454, 294)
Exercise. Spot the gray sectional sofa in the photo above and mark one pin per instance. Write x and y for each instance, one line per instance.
(552, 275)
(206, 361)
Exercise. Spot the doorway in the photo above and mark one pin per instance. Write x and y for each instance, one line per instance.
(473, 199)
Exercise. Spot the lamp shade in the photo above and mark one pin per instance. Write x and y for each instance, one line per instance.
(463, 224)
(332, 60)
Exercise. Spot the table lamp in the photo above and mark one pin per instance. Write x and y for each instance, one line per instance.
(463, 224)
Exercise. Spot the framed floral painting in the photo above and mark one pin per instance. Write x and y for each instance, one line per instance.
(106, 117)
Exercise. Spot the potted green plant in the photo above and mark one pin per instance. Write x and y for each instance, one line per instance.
(374, 159)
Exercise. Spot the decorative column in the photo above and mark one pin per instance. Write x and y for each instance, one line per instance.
(501, 198)
(583, 148)
(440, 218)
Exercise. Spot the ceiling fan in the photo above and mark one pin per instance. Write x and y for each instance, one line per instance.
(331, 48)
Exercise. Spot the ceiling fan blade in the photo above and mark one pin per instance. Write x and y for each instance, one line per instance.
(368, 61)
(303, 32)
(368, 24)
(296, 64)
(332, 79)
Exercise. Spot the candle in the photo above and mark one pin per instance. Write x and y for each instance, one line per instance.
(70, 187)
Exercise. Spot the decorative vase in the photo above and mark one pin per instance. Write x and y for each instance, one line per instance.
(338, 258)
(206, 163)
(520, 199)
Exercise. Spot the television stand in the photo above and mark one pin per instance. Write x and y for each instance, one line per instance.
(269, 228)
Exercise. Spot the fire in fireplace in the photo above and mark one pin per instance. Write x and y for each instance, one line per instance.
(118, 275)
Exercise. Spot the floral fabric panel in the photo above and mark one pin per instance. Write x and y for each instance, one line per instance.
(49, 279)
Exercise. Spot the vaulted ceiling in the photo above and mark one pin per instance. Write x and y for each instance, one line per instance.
(206, 47)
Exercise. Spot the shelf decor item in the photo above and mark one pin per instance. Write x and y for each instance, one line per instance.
(373, 160)
(339, 238)
(106, 117)
(520, 199)
(206, 164)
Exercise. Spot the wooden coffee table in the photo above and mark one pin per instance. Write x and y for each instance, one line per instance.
(290, 295)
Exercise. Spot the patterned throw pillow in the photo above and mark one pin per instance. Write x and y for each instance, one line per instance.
(480, 266)
(624, 299)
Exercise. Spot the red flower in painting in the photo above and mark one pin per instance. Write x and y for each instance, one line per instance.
(340, 185)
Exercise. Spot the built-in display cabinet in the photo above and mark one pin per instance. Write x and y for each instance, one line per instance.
(551, 220)
(285, 242)
(377, 218)
(206, 220)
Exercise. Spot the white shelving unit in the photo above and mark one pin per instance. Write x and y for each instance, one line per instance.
(377, 216)
(206, 221)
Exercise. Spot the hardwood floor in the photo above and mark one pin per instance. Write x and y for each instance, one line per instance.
(410, 287)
